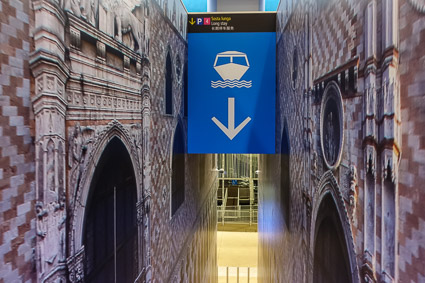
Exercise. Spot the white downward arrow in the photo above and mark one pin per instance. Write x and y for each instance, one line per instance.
(230, 131)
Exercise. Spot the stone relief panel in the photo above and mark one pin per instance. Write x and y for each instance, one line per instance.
(125, 21)
(50, 121)
(49, 84)
(50, 208)
(78, 144)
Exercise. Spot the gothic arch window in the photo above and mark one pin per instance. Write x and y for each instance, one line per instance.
(294, 68)
(178, 170)
(331, 262)
(285, 176)
(168, 86)
(110, 229)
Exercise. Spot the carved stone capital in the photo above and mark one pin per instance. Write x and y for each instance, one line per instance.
(389, 166)
(370, 160)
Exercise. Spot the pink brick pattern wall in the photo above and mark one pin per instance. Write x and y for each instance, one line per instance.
(338, 36)
(17, 217)
(412, 163)
(177, 242)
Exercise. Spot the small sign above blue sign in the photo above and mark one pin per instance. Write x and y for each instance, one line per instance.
(232, 85)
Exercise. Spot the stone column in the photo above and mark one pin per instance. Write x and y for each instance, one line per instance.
(370, 145)
(49, 103)
(147, 183)
(389, 141)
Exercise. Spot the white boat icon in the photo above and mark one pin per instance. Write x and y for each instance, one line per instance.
(226, 67)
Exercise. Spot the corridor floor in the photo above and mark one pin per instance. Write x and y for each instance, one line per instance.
(237, 249)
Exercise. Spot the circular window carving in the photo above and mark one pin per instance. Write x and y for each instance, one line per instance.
(331, 125)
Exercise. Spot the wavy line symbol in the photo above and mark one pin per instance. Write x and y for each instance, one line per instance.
(231, 84)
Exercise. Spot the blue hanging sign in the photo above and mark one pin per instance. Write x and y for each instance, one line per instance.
(232, 83)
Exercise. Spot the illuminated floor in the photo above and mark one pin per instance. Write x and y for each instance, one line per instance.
(237, 249)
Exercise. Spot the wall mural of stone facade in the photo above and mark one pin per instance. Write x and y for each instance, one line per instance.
(89, 75)
(83, 97)
(353, 153)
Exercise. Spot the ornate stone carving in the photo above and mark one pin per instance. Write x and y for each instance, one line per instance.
(139, 209)
(419, 5)
(389, 89)
(85, 9)
(75, 36)
(126, 62)
(76, 267)
(389, 166)
(105, 102)
(353, 191)
(138, 68)
(39, 84)
(370, 160)
(368, 272)
(127, 22)
(51, 247)
(331, 126)
(100, 49)
(314, 162)
(78, 145)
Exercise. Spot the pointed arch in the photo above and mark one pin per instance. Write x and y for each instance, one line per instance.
(330, 216)
(81, 193)
(285, 181)
(110, 226)
(168, 84)
(178, 170)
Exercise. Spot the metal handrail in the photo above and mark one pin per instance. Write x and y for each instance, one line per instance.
(238, 273)
(247, 214)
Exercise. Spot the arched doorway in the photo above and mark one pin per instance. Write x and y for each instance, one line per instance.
(331, 262)
(178, 170)
(110, 228)
(285, 175)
